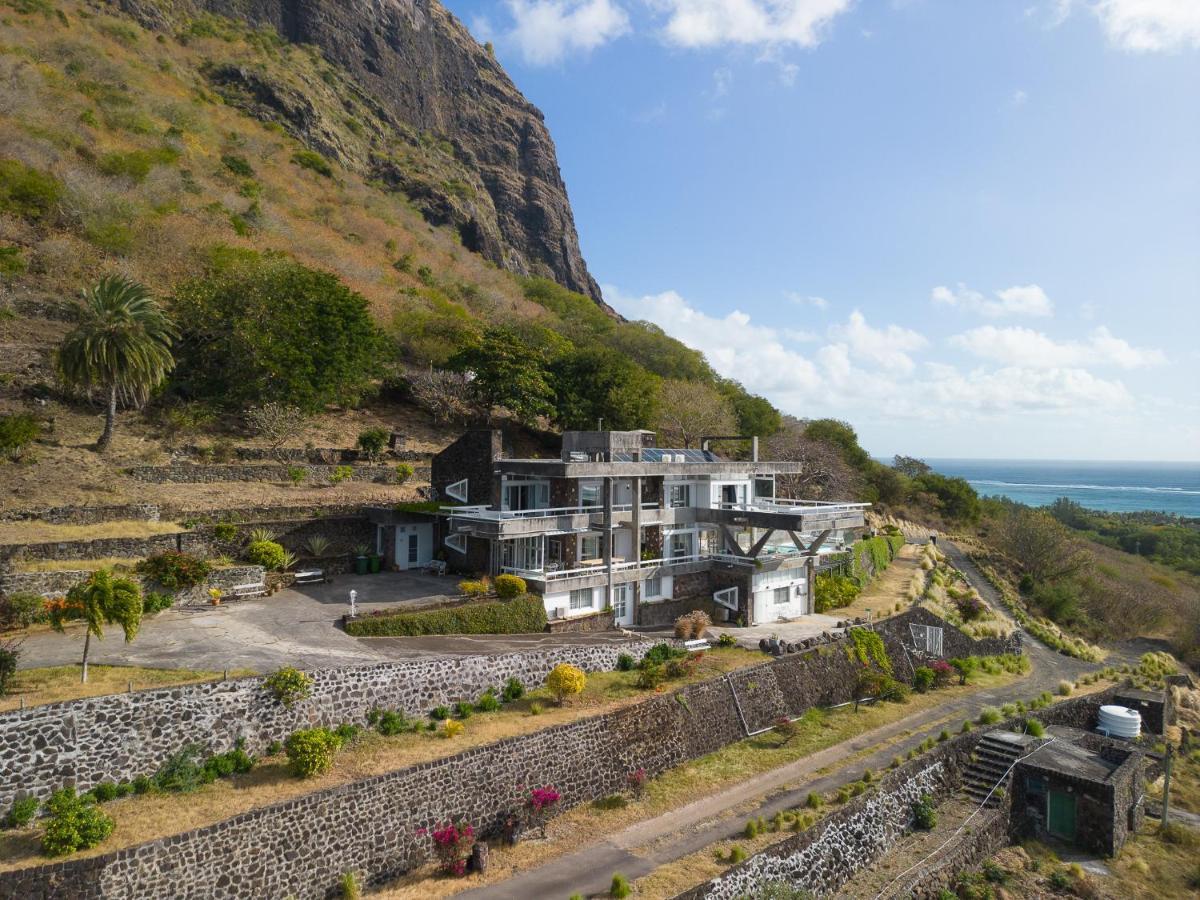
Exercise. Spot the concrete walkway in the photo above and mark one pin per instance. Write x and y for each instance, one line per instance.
(295, 627)
(644, 846)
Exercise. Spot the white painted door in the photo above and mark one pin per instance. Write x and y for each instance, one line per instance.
(622, 604)
(414, 546)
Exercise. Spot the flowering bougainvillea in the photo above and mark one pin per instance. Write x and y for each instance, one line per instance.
(942, 672)
(452, 843)
(541, 802)
(637, 782)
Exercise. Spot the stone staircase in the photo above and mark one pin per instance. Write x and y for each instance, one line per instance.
(994, 755)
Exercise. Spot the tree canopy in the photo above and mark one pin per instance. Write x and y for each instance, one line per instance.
(602, 384)
(507, 370)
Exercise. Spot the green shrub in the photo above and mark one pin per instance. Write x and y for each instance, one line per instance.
(349, 887)
(73, 823)
(620, 887)
(289, 685)
(535, 709)
(136, 164)
(813, 800)
(372, 441)
(225, 531)
(624, 662)
(310, 751)
(833, 591)
(21, 609)
(943, 736)
(268, 554)
(173, 570)
(924, 815)
(17, 431)
(1034, 728)
(463, 709)
(513, 690)
(487, 702)
(438, 713)
(475, 588)
(923, 678)
(314, 162)
(143, 784)
(966, 727)
(296, 475)
(1065, 688)
(403, 472)
(989, 716)
(340, 474)
(26, 192)
(520, 616)
(390, 723)
(21, 813)
(651, 676)
(11, 261)
(726, 640)
(104, 791)
(238, 165)
(509, 587)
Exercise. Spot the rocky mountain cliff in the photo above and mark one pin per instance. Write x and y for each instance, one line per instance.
(434, 116)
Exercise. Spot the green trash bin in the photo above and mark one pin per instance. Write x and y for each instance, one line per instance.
(360, 565)
(376, 563)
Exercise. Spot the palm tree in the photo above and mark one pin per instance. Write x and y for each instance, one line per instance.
(99, 600)
(121, 346)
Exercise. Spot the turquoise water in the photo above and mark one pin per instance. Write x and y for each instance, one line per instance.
(1112, 486)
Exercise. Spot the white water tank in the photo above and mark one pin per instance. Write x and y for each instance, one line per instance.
(1118, 721)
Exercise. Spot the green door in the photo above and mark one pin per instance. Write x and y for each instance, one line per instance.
(1060, 815)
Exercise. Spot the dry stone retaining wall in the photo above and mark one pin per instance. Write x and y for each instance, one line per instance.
(121, 736)
(56, 584)
(314, 474)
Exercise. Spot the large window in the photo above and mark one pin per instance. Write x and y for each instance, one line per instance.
(589, 494)
(522, 553)
(581, 599)
(782, 595)
(682, 545)
(679, 495)
(520, 495)
(589, 547)
(652, 587)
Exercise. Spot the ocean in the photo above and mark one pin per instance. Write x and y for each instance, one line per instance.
(1113, 486)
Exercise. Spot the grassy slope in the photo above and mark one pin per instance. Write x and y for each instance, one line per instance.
(81, 84)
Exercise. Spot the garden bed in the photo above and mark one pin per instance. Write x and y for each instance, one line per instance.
(521, 615)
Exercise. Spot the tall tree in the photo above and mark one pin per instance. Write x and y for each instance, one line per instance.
(1041, 545)
(910, 465)
(508, 371)
(121, 347)
(755, 415)
(599, 383)
(824, 475)
(691, 410)
(100, 600)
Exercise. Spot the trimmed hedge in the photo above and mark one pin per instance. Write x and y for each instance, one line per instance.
(519, 616)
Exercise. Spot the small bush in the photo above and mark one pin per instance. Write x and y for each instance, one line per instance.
(463, 709)
(403, 472)
(487, 702)
(173, 570)
(154, 602)
(924, 815)
(314, 162)
(650, 677)
(438, 713)
(21, 813)
(237, 165)
(1034, 728)
(692, 625)
(509, 587)
(535, 709)
(390, 722)
(751, 830)
(21, 609)
(73, 823)
(105, 791)
(452, 728)
(296, 475)
(475, 587)
(372, 441)
(340, 474)
(726, 640)
(989, 716)
(349, 887)
(565, 680)
(620, 887)
(289, 685)
(27, 193)
(268, 554)
(625, 663)
(943, 736)
(923, 679)
(16, 431)
(612, 801)
(966, 727)
(136, 164)
(310, 751)
(513, 690)
(1065, 688)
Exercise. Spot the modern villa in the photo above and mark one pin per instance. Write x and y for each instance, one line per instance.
(618, 524)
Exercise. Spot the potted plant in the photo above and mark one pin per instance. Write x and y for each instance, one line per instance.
(214, 596)
(361, 562)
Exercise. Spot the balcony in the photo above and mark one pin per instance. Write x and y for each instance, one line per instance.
(625, 570)
(487, 521)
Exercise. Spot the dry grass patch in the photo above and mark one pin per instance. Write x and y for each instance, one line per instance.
(58, 683)
(36, 532)
(118, 563)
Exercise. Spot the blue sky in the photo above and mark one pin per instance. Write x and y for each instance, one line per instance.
(969, 227)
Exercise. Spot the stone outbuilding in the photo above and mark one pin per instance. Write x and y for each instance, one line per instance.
(1081, 789)
(1156, 707)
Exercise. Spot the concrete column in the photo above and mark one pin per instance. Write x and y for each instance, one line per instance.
(810, 580)
(608, 541)
(636, 524)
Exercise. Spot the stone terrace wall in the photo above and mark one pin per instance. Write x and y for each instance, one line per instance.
(55, 584)
(376, 826)
(121, 736)
(987, 833)
(87, 515)
(314, 474)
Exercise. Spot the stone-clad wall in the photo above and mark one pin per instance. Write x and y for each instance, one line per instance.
(121, 736)
(204, 474)
(375, 827)
(87, 515)
(987, 833)
(55, 584)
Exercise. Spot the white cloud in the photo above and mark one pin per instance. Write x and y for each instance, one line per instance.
(546, 31)
(1149, 25)
(807, 300)
(887, 348)
(1018, 98)
(1015, 389)
(1026, 300)
(710, 23)
(1032, 349)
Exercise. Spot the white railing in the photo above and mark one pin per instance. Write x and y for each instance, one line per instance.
(780, 504)
(507, 515)
(550, 574)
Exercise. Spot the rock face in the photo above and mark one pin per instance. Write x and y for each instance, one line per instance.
(424, 77)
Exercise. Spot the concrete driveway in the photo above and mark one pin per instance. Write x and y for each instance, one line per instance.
(795, 630)
(296, 627)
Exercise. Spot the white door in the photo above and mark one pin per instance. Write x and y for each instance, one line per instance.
(622, 604)
(414, 546)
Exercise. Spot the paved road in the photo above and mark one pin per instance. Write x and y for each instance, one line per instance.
(641, 848)
(296, 627)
